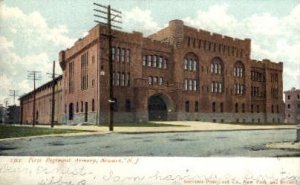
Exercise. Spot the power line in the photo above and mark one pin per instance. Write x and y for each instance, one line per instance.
(14, 94)
(111, 16)
(34, 76)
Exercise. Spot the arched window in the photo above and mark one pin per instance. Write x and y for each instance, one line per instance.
(190, 62)
(238, 70)
(216, 66)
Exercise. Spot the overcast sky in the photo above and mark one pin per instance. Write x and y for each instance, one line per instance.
(32, 32)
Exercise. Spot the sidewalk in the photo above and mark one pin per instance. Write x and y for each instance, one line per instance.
(183, 126)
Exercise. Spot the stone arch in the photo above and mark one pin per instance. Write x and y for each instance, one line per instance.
(159, 106)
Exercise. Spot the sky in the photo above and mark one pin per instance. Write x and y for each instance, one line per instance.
(32, 32)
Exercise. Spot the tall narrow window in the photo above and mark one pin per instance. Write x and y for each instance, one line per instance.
(71, 77)
(128, 55)
(221, 107)
(257, 109)
(195, 85)
(213, 106)
(160, 80)
(150, 80)
(122, 79)
(122, 55)
(196, 106)
(186, 84)
(93, 105)
(84, 71)
(128, 105)
(236, 107)
(144, 60)
(154, 61)
(187, 106)
(149, 62)
(113, 53)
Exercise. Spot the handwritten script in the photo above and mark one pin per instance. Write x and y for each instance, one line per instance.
(127, 170)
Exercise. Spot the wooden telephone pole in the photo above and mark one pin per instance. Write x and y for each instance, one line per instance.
(110, 16)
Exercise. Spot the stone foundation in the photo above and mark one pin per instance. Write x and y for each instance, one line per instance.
(139, 117)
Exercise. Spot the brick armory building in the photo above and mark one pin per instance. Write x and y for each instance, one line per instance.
(178, 73)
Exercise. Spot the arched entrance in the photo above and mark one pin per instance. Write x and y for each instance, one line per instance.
(158, 107)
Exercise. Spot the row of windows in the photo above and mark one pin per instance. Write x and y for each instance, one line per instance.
(120, 54)
(289, 96)
(121, 79)
(255, 91)
(274, 92)
(239, 89)
(154, 61)
(237, 107)
(187, 106)
(217, 87)
(238, 71)
(190, 64)
(216, 68)
(153, 80)
(190, 85)
(212, 46)
(274, 77)
(82, 107)
(257, 76)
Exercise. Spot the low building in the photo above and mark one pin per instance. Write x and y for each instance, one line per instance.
(12, 115)
(292, 106)
(2, 113)
(43, 103)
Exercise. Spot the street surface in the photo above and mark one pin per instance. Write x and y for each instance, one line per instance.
(197, 144)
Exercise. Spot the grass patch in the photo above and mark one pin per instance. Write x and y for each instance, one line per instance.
(145, 124)
(8, 131)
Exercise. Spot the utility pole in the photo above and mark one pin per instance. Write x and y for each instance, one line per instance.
(53, 94)
(34, 75)
(110, 16)
(13, 93)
